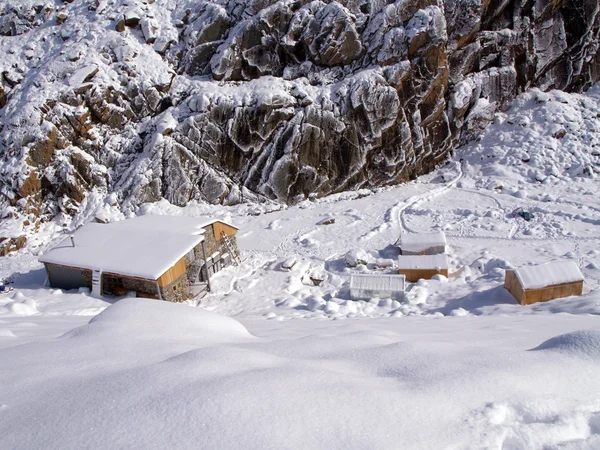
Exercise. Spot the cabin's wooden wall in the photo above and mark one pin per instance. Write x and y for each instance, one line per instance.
(529, 296)
(513, 285)
(414, 275)
(173, 273)
(220, 227)
(551, 292)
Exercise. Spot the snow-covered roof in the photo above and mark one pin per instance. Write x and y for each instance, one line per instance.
(418, 242)
(145, 246)
(377, 282)
(423, 261)
(555, 272)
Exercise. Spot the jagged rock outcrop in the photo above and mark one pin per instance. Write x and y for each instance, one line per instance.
(236, 99)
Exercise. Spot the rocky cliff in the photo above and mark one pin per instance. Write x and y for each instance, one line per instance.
(129, 101)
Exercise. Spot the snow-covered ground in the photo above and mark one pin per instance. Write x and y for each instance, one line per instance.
(458, 365)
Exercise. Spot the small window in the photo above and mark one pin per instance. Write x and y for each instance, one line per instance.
(175, 287)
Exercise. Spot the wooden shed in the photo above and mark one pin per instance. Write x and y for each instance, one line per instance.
(368, 286)
(163, 257)
(533, 284)
(416, 267)
(422, 243)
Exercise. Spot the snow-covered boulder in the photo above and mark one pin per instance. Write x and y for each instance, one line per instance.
(356, 257)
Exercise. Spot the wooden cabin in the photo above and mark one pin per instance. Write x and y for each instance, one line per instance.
(163, 257)
(422, 243)
(416, 267)
(533, 284)
(368, 286)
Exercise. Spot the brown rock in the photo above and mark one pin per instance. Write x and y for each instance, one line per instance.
(31, 186)
(61, 18)
(11, 245)
(120, 25)
(560, 134)
(2, 96)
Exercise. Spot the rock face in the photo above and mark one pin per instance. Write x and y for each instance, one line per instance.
(234, 99)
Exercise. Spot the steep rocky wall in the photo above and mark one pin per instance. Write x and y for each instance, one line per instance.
(230, 100)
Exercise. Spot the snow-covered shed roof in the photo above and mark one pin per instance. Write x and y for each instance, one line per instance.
(418, 242)
(377, 282)
(144, 247)
(413, 262)
(549, 274)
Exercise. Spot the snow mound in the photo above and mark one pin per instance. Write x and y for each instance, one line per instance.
(582, 343)
(26, 308)
(5, 332)
(144, 318)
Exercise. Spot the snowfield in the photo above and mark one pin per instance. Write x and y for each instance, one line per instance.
(268, 360)
(155, 375)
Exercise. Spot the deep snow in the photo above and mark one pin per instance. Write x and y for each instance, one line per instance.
(156, 375)
(459, 364)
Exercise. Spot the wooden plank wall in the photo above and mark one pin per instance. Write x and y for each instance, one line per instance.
(173, 273)
(529, 296)
(220, 227)
(513, 285)
(414, 275)
(551, 292)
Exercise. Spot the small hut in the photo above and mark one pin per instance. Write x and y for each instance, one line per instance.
(367, 286)
(532, 284)
(415, 267)
(422, 243)
(163, 257)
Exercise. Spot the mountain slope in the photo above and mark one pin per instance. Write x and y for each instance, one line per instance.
(229, 100)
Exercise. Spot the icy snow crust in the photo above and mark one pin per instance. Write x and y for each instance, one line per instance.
(295, 365)
(144, 247)
(556, 272)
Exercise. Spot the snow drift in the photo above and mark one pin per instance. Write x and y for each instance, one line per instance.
(145, 319)
(471, 383)
(583, 344)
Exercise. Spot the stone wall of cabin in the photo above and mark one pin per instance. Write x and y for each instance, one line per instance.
(177, 291)
(87, 278)
(213, 245)
(197, 255)
(139, 285)
(67, 277)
